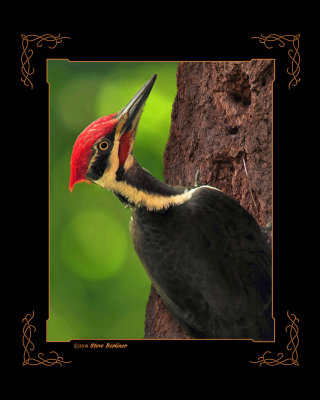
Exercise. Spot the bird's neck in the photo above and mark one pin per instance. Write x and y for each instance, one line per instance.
(137, 188)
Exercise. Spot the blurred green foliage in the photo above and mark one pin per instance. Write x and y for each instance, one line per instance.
(98, 287)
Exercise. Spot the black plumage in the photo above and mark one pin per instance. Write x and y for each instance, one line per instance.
(208, 260)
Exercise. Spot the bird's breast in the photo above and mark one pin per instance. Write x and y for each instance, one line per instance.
(157, 240)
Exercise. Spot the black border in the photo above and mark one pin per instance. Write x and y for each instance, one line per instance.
(29, 178)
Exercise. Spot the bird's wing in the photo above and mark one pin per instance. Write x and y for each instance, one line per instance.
(230, 262)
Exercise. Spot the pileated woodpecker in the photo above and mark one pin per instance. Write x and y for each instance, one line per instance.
(204, 253)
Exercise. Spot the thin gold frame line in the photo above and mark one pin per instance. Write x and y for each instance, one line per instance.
(272, 255)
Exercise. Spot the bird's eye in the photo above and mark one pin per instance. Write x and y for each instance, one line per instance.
(104, 145)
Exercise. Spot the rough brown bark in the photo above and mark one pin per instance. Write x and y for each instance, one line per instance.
(221, 126)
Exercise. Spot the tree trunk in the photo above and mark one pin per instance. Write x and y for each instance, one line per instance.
(221, 127)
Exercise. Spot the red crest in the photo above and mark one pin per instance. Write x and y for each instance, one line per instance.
(81, 153)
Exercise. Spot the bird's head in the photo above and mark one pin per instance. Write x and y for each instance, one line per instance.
(106, 144)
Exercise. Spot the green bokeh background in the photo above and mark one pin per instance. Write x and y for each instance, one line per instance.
(98, 287)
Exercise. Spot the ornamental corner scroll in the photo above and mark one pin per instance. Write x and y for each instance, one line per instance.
(294, 55)
(27, 53)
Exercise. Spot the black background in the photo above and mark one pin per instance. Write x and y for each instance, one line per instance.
(25, 177)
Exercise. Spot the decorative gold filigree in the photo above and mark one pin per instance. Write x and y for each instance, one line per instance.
(291, 346)
(293, 53)
(28, 53)
(29, 346)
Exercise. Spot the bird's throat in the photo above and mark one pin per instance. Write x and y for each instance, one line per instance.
(136, 187)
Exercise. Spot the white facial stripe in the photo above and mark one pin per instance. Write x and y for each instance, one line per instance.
(150, 201)
(139, 197)
(110, 173)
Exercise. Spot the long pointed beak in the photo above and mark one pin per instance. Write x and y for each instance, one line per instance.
(132, 111)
